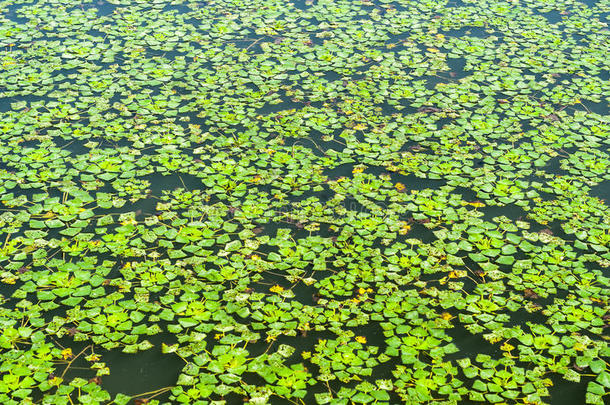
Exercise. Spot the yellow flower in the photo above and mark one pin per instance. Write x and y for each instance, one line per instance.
(507, 347)
(9, 280)
(400, 186)
(55, 381)
(404, 228)
(129, 221)
(360, 127)
(360, 339)
(361, 291)
(358, 169)
(491, 338)
(446, 316)
(276, 289)
(270, 338)
(256, 179)
(457, 273)
(477, 204)
(255, 257)
(579, 346)
(93, 357)
(66, 353)
(306, 355)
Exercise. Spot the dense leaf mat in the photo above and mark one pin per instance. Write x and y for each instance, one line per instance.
(327, 202)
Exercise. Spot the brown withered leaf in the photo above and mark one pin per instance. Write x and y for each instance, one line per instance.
(530, 294)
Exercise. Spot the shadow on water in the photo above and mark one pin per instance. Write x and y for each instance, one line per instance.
(413, 182)
(457, 66)
(511, 211)
(5, 102)
(12, 13)
(135, 374)
(130, 374)
(602, 191)
(564, 392)
(600, 107)
(278, 105)
(469, 31)
(553, 16)
(469, 344)
(102, 7)
(553, 166)
(160, 182)
(105, 8)
(178, 8)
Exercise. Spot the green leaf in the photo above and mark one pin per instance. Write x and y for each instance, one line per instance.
(603, 379)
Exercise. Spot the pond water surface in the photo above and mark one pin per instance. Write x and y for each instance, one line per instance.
(332, 202)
